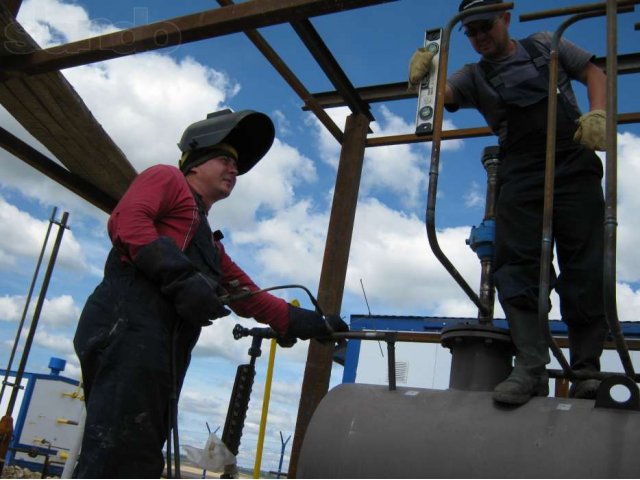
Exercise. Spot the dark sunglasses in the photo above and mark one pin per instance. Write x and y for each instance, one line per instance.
(484, 26)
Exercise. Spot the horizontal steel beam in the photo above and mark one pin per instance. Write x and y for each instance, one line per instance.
(330, 66)
(623, 118)
(285, 72)
(435, 337)
(576, 10)
(174, 32)
(627, 63)
(51, 169)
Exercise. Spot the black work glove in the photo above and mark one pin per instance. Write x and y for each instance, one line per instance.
(193, 293)
(286, 341)
(305, 324)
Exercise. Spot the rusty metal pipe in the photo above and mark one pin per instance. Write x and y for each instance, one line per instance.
(611, 188)
(546, 247)
(285, 72)
(435, 151)
(627, 5)
(487, 288)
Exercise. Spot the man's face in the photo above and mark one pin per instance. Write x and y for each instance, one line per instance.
(490, 38)
(218, 176)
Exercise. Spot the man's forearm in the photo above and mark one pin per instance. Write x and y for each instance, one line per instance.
(596, 82)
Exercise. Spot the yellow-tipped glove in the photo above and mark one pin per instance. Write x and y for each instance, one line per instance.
(592, 130)
(419, 65)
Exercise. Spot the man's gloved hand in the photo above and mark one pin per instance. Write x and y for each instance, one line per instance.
(286, 341)
(196, 300)
(193, 293)
(419, 65)
(305, 324)
(592, 130)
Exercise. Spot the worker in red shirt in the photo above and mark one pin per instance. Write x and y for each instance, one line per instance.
(162, 283)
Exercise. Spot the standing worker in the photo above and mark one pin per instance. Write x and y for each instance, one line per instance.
(162, 283)
(509, 86)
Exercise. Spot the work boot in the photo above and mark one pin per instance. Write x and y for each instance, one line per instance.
(529, 377)
(586, 342)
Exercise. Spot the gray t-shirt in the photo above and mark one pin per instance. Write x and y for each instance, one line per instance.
(471, 90)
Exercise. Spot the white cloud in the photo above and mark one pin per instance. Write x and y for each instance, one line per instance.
(391, 254)
(628, 230)
(56, 312)
(144, 101)
(475, 196)
(54, 342)
(269, 187)
(27, 240)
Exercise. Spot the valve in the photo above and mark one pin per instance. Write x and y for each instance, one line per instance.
(482, 239)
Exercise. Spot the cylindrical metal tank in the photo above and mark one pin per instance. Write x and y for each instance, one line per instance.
(367, 431)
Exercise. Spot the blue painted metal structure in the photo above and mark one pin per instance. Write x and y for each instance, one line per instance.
(29, 381)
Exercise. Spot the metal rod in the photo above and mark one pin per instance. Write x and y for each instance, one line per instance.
(623, 118)
(296, 85)
(62, 226)
(391, 360)
(331, 68)
(611, 187)
(588, 8)
(435, 152)
(546, 248)
(28, 301)
(434, 337)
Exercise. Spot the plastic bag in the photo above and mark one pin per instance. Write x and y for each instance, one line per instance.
(214, 456)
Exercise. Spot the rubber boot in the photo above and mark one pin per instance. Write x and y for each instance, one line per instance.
(586, 342)
(529, 376)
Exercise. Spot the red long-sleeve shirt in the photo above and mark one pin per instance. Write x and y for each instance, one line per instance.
(159, 202)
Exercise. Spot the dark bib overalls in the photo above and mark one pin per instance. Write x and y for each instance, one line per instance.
(126, 337)
(578, 211)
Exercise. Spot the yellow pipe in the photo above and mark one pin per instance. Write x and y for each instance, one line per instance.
(265, 401)
(265, 409)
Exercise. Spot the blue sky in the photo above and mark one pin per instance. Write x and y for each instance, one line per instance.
(275, 222)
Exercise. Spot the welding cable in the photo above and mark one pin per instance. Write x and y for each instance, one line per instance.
(172, 433)
(227, 299)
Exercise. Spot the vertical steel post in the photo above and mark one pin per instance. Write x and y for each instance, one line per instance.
(334, 270)
(611, 187)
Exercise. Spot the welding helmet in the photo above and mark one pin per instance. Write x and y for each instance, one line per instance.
(248, 132)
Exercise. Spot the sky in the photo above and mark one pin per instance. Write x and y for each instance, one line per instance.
(276, 220)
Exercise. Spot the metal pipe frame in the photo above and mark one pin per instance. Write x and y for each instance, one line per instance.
(580, 9)
(627, 63)
(547, 223)
(623, 118)
(435, 152)
(311, 38)
(176, 31)
(296, 85)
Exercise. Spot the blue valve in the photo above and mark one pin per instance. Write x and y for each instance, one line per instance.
(482, 239)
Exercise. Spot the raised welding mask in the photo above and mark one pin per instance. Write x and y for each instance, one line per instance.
(249, 132)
